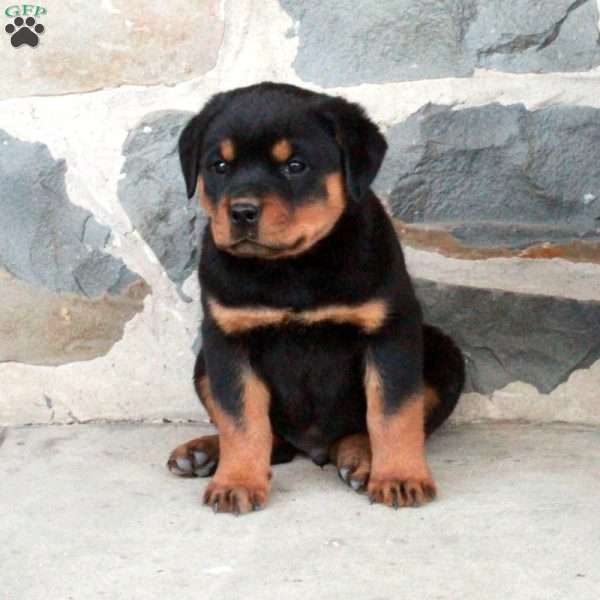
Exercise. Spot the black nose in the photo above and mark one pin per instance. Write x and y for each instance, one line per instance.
(244, 213)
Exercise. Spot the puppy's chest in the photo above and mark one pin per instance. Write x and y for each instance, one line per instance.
(367, 317)
(315, 378)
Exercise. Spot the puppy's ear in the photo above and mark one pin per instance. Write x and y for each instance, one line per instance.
(362, 144)
(191, 139)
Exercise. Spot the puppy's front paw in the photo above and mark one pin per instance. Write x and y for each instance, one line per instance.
(236, 497)
(401, 491)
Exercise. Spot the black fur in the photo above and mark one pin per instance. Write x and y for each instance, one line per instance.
(362, 144)
(314, 373)
(444, 370)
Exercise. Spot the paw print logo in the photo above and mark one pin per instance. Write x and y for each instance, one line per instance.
(24, 32)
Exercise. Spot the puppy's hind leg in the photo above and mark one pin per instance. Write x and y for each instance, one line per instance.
(444, 376)
(352, 457)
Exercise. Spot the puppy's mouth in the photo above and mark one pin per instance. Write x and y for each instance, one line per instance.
(249, 247)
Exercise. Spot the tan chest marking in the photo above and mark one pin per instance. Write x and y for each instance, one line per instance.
(368, 316)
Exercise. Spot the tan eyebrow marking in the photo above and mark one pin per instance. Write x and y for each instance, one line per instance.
(227, 148)
(368, 316)
(281, 150)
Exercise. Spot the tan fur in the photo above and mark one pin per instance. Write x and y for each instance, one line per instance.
(431, 399)
(227, 148)
(282, 150)
(287, 231)
(217, 213)
(368, 316)
(240, 320)
(399, 472)
(243, 474)
(312, 221)
(353, 453)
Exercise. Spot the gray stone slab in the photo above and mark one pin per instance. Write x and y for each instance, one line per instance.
(497, 175)
(91, 512)
(535, 36)
(154, 195)
(349, 43)
(508, 336)
(45, 240)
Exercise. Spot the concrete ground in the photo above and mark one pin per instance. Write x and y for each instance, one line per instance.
(90, 511)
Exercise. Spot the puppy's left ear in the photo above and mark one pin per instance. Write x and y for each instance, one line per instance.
(362, 144)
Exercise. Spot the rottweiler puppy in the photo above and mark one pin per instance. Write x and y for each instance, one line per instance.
(313, 339)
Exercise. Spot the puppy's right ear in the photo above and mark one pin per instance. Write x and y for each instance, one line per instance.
(191, 139)
(362, 144)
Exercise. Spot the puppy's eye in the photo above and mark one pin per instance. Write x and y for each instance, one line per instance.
(295, 166)
(220, 167)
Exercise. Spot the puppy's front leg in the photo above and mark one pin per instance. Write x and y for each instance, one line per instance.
(239, 406)
(400, 475)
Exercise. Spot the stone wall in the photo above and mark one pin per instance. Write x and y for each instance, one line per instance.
(492, 111)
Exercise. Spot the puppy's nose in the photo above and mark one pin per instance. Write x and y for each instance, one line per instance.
(243, 213)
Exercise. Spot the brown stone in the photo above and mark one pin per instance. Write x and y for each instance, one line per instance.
(430, 237)
(41, 327)
(108, 44)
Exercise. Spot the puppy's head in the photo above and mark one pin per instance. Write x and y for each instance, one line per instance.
(276, 166)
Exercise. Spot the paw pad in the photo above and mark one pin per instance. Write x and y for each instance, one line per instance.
(24, 31)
